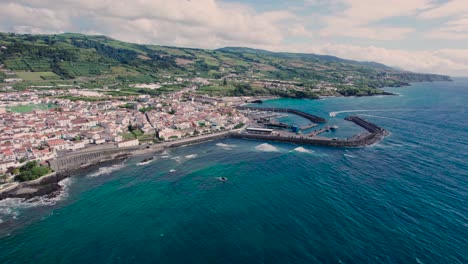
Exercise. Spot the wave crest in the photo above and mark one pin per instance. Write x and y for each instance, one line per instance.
(303, 150)
(106, 170)
(267, 148)
(225, 146)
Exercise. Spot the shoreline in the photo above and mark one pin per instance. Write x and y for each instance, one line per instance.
(89, 160)
(48, 185)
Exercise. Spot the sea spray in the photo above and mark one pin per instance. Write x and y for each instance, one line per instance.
(303, 150)
(106, 170)
(225, 146)
(11, 208)
(266, 148)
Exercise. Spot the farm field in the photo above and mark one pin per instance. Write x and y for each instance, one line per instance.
(37, 76)
(29, 108)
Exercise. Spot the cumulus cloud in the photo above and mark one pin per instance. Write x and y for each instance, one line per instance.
(201, 23)
(215, 23)
(456, 29)
(450, 8)
(444, 61)
(358, 17)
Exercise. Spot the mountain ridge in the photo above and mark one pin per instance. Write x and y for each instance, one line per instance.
(97, 60)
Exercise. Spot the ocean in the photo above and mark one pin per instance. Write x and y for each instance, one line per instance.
(403, 200)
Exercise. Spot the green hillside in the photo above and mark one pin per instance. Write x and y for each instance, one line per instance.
(97, 61)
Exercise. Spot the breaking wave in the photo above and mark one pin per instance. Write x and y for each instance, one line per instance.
(225, 146)
(303, 150)
(10, 208)
(334, 114)
(192, 156)
(106, 170)
(267, 148)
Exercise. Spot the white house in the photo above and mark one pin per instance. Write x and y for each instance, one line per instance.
(128, 143)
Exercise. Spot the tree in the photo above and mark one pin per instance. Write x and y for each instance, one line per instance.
(224, 82)
(3, 178)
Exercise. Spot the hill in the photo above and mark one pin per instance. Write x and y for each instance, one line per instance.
(99, 61)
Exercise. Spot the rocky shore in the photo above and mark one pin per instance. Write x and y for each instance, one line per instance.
(48, 186)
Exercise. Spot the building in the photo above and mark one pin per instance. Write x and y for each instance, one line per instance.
(57, 144)
(256, 130)
(128, 143)
(4, 165)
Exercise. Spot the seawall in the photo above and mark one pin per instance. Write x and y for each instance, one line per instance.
(375, 134)
(366, 140)
(313, 118)
(87, 158)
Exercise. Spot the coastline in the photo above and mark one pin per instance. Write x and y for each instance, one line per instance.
(49, 185)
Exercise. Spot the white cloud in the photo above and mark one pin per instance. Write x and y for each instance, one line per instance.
(453, 62)
(456, 29)
(213, 24)
(357, 19)
(444, 61)
(451, 8)
(200, 23)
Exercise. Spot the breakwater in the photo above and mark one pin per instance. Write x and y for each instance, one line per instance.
(371, 127)
(313, 118)
(361, 141)
(375, 134)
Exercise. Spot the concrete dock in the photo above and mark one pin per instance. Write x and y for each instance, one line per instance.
(313, 118)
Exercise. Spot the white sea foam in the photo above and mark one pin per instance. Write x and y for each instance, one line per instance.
(192, 156)
(349, 155)
(106, 170)
(177, 158)
(334, 114)
(145, 163)
(165, 157)
(225, 146)
(11, 207)
(172, 170)
(303, 150)
(267, 148)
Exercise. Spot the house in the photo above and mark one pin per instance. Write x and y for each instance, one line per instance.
(57, 144)
(75, 145)
(128, 143)
(4, 165)
(111, 138)
(168, 133)
(99, 141)
(9, 155)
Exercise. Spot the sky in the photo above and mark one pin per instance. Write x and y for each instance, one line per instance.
(428, 36)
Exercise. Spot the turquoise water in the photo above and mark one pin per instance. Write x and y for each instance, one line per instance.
(400, 201)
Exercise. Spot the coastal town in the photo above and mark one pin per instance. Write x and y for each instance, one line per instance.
(61, 126)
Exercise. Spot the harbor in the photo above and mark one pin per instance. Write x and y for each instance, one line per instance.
(267, 129)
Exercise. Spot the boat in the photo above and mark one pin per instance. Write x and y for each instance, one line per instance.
(146, 161)
(223, 178)
(334, 127)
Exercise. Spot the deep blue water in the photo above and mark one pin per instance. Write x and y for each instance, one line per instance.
(403, 200)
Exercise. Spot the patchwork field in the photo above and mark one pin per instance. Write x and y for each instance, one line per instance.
(37, 76)
(29, 108)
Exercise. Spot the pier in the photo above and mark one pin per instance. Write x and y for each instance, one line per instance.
(319, 131)
(308, 126)
(312, 118)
